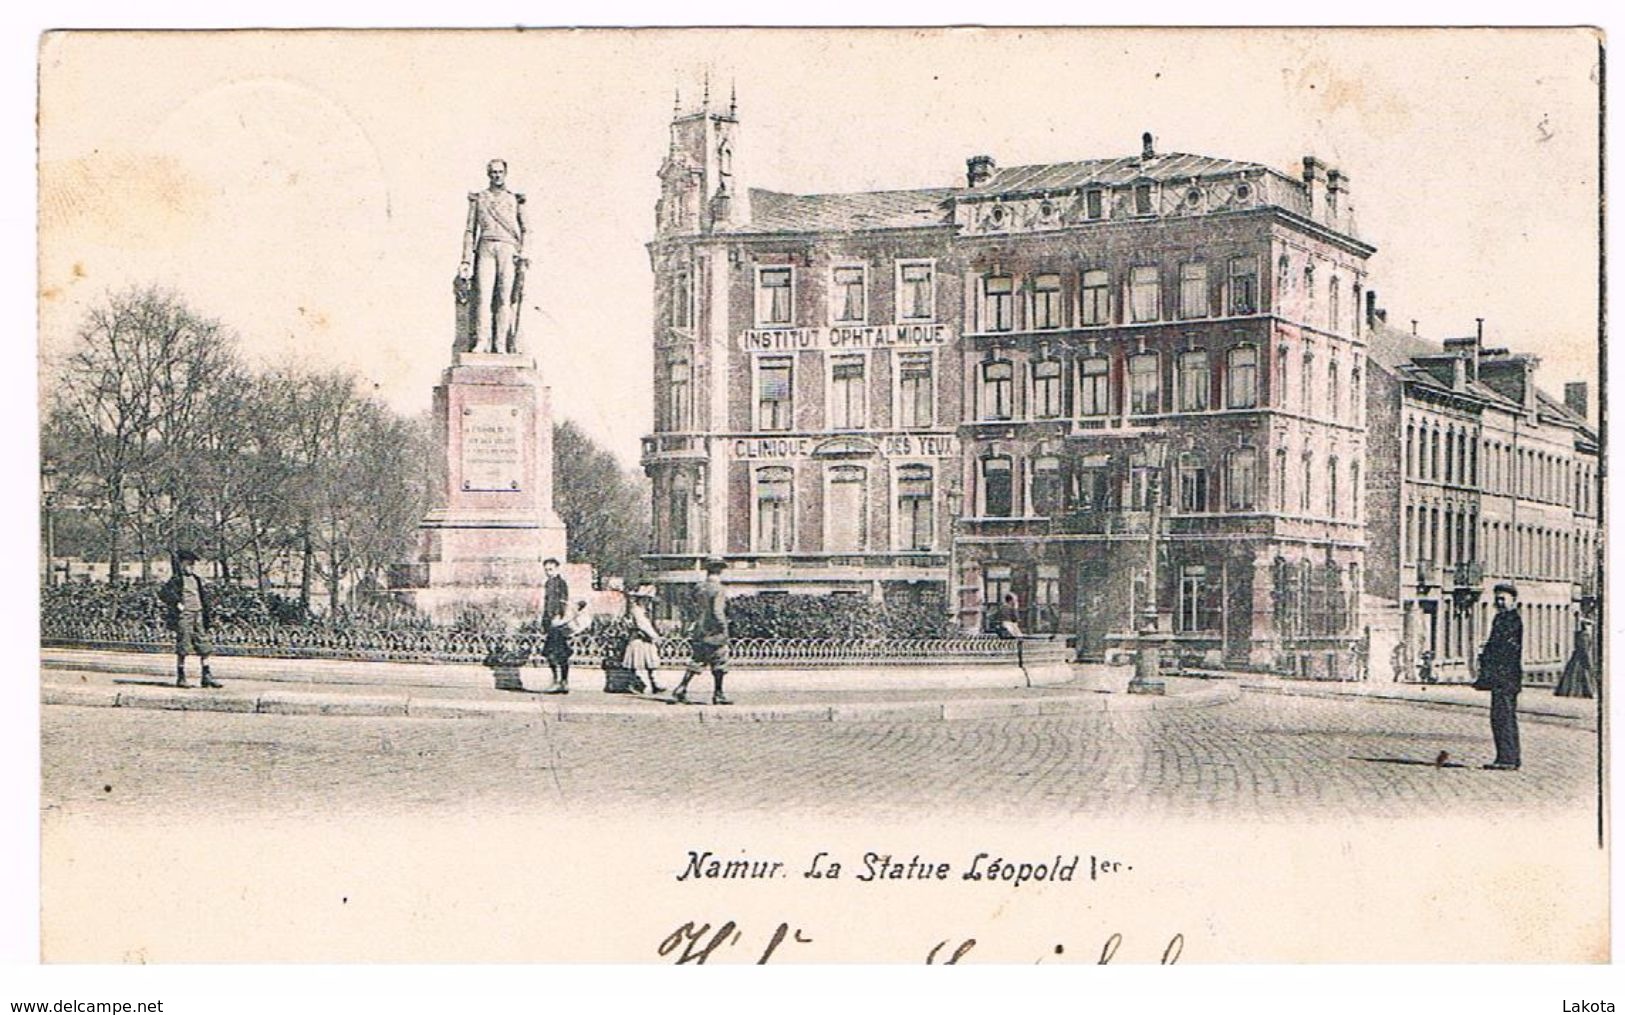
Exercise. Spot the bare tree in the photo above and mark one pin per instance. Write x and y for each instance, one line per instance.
(123, 416)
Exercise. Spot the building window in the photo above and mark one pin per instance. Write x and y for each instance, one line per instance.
(998, 303)
(1357, 395)
(1334, 299)
(679, 401)
(1309, 283)
(915, 504)
(679, 498)
(1046, 485)
(682, 301)
(848, 296)
(1047, 400)
(1047, 305)
(1195, 381)
(1241, 377)
(1145, 293)
(1331, 489)
(846, 506)
(995, 586)
(1198, 600)
(1142, 199)
(1046, 604)
(1280, 479)
(1193, 298)
(774, 297)
(1095, 303)
(1145, 389)
(1305, 491)
(1094, 386)
(1306, 384)
(998, 390)
(1244, 285)
(1095, 204)
(773, 391)
(914, 390)
(1091, 484)
(916, 291)
(1334, 394)
(1354, 489)
(1139, 487)
(1283, 275)
(773, 510)
(1410, 450)
(848, 403)
(1241, 480)
(1192, 483)
(996, 487)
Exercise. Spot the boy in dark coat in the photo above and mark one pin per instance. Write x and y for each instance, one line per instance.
(189, 612)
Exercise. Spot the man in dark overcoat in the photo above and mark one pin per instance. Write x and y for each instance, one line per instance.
(1500, 672)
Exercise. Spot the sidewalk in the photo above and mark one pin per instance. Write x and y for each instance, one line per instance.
(319, 695)
(1537, 704)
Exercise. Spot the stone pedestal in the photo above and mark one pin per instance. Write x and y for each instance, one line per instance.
(483, 544)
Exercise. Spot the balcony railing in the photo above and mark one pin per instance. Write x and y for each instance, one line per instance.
(1468, 574)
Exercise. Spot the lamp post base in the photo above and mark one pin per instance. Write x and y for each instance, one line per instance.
(1148, 666)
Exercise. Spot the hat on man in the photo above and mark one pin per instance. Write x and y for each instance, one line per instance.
(186, 556)
(1507, 587)
(715, 565)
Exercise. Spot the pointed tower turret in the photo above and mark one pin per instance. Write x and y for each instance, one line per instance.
(699, 190)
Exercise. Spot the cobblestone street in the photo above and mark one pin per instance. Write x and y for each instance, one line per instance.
(1272, 757)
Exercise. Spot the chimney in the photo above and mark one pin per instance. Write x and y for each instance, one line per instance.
(978, 170)
(1371, 308)
(1467, 352)
(1314, 186)
(1337, 186)
(1574, 396)
(1148, 149)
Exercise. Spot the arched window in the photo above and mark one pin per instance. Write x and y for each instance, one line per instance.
(1145, 388)
(679, 396)
(1094, 386)
(774, 510)
(998, 389)
(997, 501)
(1241, 378)
(1193, 483)
(1241, 479)
(846, 509)
(1195, 381)
(1047, 393)
(1331, 488)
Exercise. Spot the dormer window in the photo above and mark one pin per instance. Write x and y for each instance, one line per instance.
(1094, 203)
(1142, 199)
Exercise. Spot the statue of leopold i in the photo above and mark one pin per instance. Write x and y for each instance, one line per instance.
(492, 272)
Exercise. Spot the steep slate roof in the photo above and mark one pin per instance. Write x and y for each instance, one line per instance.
(773, 212)
(1108, 172)
(1396, 349)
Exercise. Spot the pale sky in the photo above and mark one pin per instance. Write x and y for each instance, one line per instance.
(309, 189)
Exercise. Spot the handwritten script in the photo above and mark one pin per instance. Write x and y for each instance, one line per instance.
(695, 943)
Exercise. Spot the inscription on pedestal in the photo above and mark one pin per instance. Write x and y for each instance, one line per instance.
(492, 447)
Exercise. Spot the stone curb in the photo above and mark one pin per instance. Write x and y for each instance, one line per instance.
(1524, 714)
(294, 703)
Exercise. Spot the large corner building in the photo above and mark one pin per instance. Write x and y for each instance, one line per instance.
(1117, 388)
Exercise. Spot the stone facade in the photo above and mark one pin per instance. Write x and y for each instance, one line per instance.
(1053, 382)
(1486, 479)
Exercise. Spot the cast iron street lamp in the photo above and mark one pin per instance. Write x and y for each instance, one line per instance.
(1148, 660)
(47, 483)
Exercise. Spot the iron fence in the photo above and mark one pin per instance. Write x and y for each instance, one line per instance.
(591, 647)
